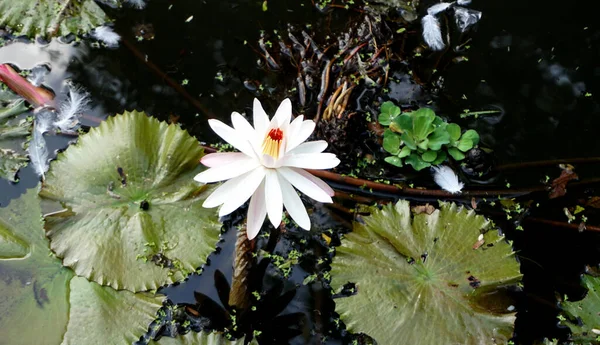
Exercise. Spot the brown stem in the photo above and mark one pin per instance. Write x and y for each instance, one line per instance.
(35, 95)
(239, 295)
(172, 83)
(393, 189)
(513, 166)
(561, 224)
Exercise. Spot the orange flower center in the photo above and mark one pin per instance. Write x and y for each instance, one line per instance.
(272, 143)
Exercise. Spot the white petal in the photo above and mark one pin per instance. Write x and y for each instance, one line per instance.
(257, 211)
(227, 171)
(309, 147)
(232, 136)
(305, 130)
(310, 161)
(261, 119)
(273, 197)
(293, 129)
(225, 191)
(212, 160)
(293, 204)
(243, 192)
(283, 114)
(247, 131)
(304, 184)
(320, 183)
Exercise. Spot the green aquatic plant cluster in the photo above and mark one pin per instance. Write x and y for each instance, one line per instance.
(421, 138)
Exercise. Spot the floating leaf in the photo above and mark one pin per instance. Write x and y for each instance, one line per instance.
(388, 112)
(134, 218)
(429, 156)
(584, 315)
(33, 282)
(50, 18)
(393, 160)
(39, 294)
(14, 131)
(456, 154)
(438, 138)
(391, 142)
(202, 338)
(465, 145)
(422, 123)
(101, 315)
(417, 162)
(454, 131)
(419, 280)
(471, 135)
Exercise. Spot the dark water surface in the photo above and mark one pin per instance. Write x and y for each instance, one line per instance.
(536, 61)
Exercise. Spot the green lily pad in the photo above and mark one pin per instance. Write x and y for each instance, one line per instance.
(14, 131)
(583, 316)
(101, 315)
(33, 282)
(50, 18)
(133, 215)
(419, 280)
(202, 338)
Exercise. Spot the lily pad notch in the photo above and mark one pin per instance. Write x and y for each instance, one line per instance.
(131, 204)
(419, 278)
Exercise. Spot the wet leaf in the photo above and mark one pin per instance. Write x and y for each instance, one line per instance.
(34, 285)
(438, 138)
(134, 216)
(465, 145)
(393, 160)
(429, 156)
(405, 152)
(39, 294)
(402, 123)
(388, 112)
(422, 123)
(202, 338)
(583, 317)
(419, 279)
(50, 18)
(454, 131)
(456, 154)
(417, 162)
(471, 135)
(100, 315)
(391, 142)
(14, 130)
(559, 184)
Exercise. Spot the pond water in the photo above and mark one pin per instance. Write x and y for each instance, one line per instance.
(534, 61)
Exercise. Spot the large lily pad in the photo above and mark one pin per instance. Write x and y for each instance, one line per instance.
(14, 130)
(33, 283)
(101, 315)
(419, 280)
(51, 18)
(202, 338)
(583, 317)
(39, 294)
(133, 215)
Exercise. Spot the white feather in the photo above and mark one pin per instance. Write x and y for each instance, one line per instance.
(106, 35)
(75, 104)
(463, 2)
(139, 4)
(432, 34)
(445, 177)
(37, 75)
(38, 153)
(437, 8)
(43, 121)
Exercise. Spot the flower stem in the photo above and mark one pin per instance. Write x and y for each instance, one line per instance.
(36, 96)
(239, 295)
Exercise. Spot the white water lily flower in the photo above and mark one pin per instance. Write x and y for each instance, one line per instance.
(271, 163)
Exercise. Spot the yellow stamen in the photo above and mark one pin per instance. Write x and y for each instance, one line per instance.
(272, 143)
